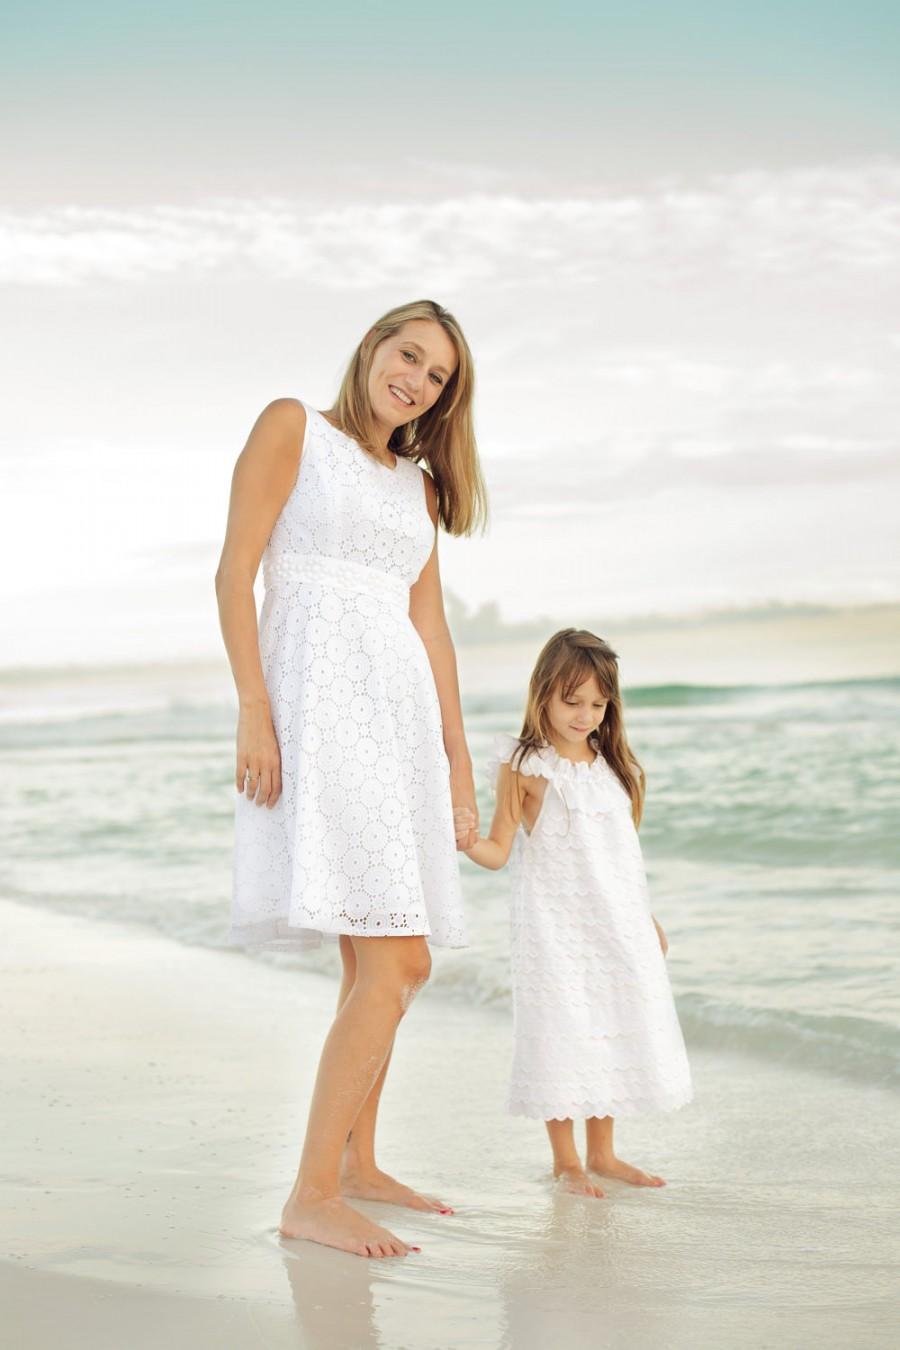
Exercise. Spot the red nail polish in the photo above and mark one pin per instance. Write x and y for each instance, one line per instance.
(415, 1249)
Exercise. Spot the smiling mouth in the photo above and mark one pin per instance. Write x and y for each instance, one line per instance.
(399, 394)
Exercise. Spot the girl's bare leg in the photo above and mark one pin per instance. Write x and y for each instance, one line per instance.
(601, 1157)
(361, 1177)
(389, 972)
(567, 1166)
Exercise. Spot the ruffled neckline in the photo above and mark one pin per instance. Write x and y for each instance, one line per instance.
(586, 786)
(545, 761)
(581, 768)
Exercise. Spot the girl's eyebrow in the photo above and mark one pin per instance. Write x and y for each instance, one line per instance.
(422, 352)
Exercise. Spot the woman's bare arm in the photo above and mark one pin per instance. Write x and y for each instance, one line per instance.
(426, 610)
(264, 475)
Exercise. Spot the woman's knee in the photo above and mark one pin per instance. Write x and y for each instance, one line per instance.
(398, 968)
(415, 970)
(410, 971)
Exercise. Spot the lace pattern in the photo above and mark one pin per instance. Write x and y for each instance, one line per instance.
(361, 841)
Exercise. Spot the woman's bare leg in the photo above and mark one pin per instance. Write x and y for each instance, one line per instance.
(361, 1177)
(567, 1166)
(601, 1157)
(390, 970)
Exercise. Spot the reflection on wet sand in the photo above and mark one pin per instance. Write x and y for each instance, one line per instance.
(332, 1292)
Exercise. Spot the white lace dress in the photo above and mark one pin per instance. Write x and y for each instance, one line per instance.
(361, 840)
(596, 1032)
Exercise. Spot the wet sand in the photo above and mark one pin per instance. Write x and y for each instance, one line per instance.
(156, 1098)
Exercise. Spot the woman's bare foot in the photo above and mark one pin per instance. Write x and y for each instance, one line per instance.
(575, 1180)
(334, 1224)
(611, 1166)
(373, 1184)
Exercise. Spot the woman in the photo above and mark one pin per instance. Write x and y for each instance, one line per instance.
(351, 753)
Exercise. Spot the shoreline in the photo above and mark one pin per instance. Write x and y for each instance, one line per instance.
(158, 1096)
(791, 644)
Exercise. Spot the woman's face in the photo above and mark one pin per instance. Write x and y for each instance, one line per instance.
(574, 718)
(409, 371)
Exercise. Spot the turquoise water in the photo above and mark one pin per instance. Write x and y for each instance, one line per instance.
(770, 835)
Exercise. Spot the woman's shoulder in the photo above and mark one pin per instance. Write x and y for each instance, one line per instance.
(279, 433)
(274, 446)
(288, 414)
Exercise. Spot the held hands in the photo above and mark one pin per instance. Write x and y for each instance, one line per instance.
(462, 795)
(465, 823)
(258, 769)
(663, 940)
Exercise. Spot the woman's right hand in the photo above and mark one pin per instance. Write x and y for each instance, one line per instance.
(258, 768)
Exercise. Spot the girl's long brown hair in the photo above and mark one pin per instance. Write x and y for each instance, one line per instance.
(569, 658)
(443, 438)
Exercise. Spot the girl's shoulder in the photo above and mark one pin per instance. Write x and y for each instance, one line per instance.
(533, 764)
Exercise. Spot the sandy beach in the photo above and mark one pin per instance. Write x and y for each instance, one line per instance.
(156, 1095)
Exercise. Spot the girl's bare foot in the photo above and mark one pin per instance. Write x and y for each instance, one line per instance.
(611, 1166)
(373, 1184)
(575, 1180)
(334, 1224)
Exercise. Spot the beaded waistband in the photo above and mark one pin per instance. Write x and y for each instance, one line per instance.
(284, 569)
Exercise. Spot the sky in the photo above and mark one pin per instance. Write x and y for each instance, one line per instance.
(671, 233)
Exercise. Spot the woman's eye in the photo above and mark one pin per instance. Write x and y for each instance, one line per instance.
(437, 380)
(410, 356)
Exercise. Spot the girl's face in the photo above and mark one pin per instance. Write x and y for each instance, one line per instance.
(573, 719)
(409, 371)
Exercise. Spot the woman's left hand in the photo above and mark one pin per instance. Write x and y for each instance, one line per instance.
(462, 794)
(663, 940)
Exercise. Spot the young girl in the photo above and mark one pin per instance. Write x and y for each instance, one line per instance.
(596, 1032)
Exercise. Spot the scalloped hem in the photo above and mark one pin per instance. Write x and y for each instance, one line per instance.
(590, 1110)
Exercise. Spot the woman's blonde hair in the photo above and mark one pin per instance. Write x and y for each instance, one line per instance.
(443, 438)
(569, 658)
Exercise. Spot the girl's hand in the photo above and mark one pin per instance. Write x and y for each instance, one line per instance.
(464, 823)
(462, 794)
(663, 940)
(258, 768)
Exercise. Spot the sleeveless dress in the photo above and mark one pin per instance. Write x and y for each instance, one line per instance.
(595, 1027)
(361, 840)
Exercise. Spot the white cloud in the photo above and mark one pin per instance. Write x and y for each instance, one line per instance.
(810, 222)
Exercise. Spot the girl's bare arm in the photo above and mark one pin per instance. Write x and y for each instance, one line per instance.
(494, 850)
(264, 475)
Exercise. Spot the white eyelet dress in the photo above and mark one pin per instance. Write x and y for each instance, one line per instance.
(595, 1027)
(361, 840)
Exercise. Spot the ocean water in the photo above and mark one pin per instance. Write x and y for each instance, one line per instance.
(771, 833)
